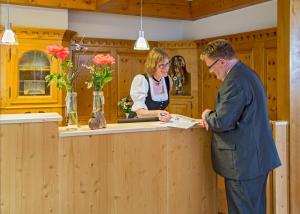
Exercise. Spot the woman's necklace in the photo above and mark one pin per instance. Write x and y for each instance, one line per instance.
(158, 88)
(157, 81)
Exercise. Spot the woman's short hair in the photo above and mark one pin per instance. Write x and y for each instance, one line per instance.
(217, 49)
(155, 56)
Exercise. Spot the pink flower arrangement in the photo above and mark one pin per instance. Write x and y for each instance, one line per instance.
(101, 71)
(59, 52)
(101, 59)
(66, 75)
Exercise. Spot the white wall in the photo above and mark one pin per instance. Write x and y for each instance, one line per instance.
(124, 27)
(40, 17)
(251, 18)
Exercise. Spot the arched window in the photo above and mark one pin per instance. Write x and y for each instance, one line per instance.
(33, 67)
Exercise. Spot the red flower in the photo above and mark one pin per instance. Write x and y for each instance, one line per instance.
(53, 49)
(60, 52)
(63, 54)
(101, 59)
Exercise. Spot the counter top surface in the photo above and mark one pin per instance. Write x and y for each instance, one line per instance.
(115, 128)
(29, 118)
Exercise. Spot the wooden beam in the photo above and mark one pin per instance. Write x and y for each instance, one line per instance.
(162, 9)
(102, 2)
(173, 9)
(67, 4)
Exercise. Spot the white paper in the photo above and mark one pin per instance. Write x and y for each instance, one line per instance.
(180, 121)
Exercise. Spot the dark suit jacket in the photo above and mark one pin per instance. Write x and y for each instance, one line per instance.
(242, 146)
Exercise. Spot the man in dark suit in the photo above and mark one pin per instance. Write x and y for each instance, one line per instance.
(243, 150)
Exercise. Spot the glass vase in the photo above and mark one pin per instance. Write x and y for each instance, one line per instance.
(98, 101)
(97, 120)
(71, 110)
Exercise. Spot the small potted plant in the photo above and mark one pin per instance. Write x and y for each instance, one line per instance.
(125, 105)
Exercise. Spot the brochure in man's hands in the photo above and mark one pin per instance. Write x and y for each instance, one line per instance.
(180, 121)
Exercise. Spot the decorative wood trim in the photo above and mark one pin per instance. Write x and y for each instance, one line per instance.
(102, 42)
(42, 33)
(252, 36)
(121, 43)
(177, 44)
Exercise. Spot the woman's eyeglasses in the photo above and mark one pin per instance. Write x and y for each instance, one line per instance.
(210, 66)
(161, 66)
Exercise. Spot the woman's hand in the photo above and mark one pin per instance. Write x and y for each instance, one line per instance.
(163, 115)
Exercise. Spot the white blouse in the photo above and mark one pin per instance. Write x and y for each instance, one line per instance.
(139, 91)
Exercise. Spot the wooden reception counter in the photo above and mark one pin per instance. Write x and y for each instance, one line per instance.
(123, 169)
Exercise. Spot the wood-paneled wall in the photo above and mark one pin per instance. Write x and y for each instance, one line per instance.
(128, 64)
(256, 49)
(187, 104)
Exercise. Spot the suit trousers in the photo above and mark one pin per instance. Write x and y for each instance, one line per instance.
(246, 196)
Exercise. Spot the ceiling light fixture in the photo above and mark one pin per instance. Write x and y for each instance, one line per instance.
(8, 36)
(141, 43)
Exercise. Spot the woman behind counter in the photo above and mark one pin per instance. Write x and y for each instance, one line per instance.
(150, 91)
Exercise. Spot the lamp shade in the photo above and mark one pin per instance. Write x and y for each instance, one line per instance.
(141, 43)
(8, 37)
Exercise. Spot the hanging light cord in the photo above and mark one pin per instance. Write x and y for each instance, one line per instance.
(7, 7)
(141, 14)
(7, 21)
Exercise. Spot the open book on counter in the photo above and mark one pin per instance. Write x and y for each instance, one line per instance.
(180, 121)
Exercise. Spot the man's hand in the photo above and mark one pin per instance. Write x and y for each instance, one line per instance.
(204, 124)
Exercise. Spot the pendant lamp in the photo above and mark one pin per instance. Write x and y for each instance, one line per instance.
(8, 36)
(141, 43)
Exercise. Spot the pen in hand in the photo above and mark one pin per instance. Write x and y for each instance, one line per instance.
(164, 117)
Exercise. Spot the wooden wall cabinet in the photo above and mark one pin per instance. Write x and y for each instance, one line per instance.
(23, 70)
